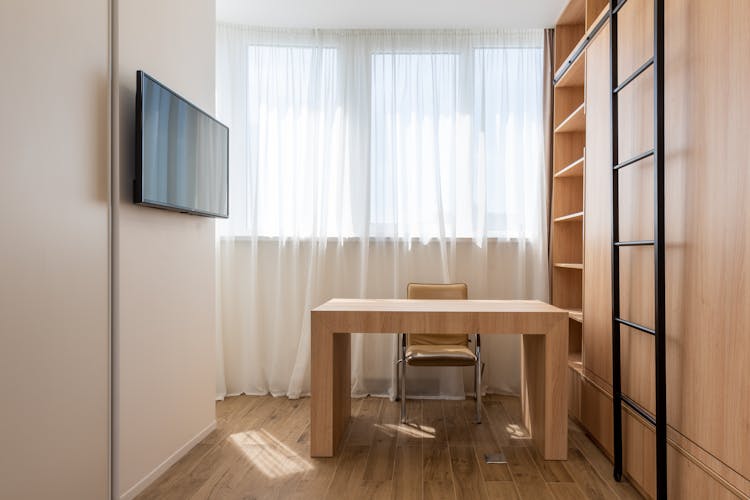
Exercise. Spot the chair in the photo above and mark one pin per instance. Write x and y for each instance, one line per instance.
(439, 350)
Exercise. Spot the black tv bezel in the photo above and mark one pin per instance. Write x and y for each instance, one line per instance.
(138, 180)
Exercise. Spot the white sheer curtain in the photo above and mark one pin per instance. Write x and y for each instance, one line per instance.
(361, 161)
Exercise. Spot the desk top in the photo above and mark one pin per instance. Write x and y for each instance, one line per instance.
(441, 306)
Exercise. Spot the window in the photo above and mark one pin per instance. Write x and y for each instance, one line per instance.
(376, 134)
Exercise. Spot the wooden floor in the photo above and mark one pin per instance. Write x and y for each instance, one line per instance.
(261, 450)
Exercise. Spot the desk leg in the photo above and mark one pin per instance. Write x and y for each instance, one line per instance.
(330, 405)
(543, 390)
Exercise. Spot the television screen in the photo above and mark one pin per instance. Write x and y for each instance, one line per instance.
(182, 153)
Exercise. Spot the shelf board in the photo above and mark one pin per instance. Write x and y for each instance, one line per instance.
(578, 216)
(575, 169)
(575, 122)
(569, 265)
(573, 13)
(575, 74)
(576, 315)
(575, 361)
(588, 34)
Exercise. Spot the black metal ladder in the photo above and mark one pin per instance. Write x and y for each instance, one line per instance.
(659, 419)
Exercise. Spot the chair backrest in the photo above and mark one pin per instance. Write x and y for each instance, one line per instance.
(452, 291)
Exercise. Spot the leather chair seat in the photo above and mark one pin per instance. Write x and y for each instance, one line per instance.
(440, 355)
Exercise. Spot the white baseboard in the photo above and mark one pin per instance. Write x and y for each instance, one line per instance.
(166, 464)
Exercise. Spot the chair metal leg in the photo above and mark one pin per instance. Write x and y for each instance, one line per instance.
(478, 383)
(403, 381)
(398, 367)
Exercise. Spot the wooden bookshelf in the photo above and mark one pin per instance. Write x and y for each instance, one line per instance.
(573, 30)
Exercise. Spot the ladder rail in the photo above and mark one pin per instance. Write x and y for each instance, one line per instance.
(615, 5)
(660, 351)
(659, 419)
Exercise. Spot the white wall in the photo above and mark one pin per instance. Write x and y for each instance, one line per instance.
(391, 13)
(54, 326)
(165, 277)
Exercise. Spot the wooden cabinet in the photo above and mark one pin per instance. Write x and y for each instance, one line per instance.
(708, 245)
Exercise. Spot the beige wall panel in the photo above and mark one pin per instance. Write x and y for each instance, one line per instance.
(166, 287)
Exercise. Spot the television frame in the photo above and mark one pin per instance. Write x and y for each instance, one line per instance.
(138, 179)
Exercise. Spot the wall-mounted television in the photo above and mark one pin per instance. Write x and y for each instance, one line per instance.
(182, 153)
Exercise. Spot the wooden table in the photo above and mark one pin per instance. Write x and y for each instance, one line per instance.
(543, 367)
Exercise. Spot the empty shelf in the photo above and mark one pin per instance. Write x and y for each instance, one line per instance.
(578, 216)
(568, 265)
(575, 361)
(575, 122)
(575, 169)
(574, 75)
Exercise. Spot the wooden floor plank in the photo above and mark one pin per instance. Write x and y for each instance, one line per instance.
(501, 490)
(466, 475)
(455, 424)
(484, 442)
(350, 472)
(436, 462)
(407, 483)
(534, 491)
(601, 464)
(593, 487)
(439, 490)
(433, 420)
(553, 471)
(362, 427)
(382, 457)
(506, 432)
(566, 491)
(260, 450)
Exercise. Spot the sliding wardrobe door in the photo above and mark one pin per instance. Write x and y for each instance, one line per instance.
(54, 290)
(708, 232)
(708, 237)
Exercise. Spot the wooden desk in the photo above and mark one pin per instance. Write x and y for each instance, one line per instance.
(544, 357)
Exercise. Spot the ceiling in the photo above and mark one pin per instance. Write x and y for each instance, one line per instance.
(391, 13)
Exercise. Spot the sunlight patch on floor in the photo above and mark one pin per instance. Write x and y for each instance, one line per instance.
(271, 457)
(516, 431)
(410, 430)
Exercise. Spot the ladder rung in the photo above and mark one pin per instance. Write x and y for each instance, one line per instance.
(635, 75)
(636, 326)
(634, 159)
(637, 243)
(638, 409)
